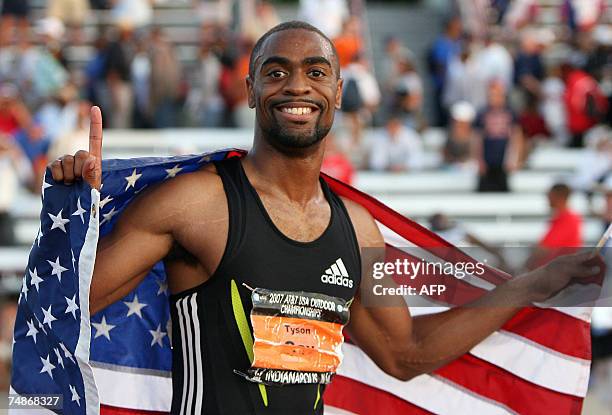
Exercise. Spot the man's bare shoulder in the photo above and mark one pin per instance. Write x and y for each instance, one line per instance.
(368, 234)
(196, 192)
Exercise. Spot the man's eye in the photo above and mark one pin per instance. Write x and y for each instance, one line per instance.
(317, 73)
(276, 74)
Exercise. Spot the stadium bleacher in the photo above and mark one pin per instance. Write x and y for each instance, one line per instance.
(511, 219)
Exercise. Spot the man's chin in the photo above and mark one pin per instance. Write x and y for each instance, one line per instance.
(295, 141)
(295, 137)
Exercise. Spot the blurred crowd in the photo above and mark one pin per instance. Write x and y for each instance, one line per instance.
(496, 81)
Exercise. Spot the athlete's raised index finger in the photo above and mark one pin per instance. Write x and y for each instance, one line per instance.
(95, 133)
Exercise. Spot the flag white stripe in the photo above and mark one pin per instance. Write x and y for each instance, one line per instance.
(425, 391)
(198, 355)
(87, 259)
(535, 363)
(184, 349)
(138, 391)
(190, 356)
(330, 410)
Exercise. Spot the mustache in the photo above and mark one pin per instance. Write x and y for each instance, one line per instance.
(292, 101)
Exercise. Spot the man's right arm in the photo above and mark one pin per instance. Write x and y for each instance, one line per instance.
(149, 226)
(141, 237)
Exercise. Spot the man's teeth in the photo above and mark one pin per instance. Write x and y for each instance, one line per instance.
(297, 111)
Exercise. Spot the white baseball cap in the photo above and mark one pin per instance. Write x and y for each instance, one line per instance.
(50, 26)
(463, 111)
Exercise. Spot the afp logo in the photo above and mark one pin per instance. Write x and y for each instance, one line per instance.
(336, 274)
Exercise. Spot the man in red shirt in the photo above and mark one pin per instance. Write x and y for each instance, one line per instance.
(585, 104)
(564, 232)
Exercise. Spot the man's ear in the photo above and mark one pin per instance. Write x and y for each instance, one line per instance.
(339, 93)
(250, 93)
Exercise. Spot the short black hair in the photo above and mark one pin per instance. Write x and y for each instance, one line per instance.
(291, 25)
(561, 189)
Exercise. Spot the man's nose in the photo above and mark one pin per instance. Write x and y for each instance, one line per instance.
(297, 84)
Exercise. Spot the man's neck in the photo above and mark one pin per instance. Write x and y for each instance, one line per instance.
(295, 176)
(558, 210)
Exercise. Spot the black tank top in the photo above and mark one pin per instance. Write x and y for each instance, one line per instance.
(211, 326)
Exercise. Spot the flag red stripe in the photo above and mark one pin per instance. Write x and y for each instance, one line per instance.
(499, 385)
(113, 410)
(554, 330)
(354, 396)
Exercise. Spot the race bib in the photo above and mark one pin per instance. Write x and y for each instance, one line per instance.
(297, 337)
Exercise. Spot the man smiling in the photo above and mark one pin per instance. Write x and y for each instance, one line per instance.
(265, 237)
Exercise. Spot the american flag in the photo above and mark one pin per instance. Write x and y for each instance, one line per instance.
(119, 360)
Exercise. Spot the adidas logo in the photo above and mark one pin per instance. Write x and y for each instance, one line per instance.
(337, 275)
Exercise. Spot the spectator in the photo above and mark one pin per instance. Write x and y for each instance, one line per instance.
(139, 13)
(397, 149)
(117, 74)
(595, 162)
(533, 128)
(140, 76)
(231, 87)
(166, 81)
(100, 4)
(445, 48)
(494, 63)
(335, 162)
(14, 168)
(585, 104)
(475, 16)
(520, 13)
(18, 127)
(326, 15)
(564, 231)
(599, 59)
(459, 148)
(463, 77)
(14, 115)
(14, 13)
(408, 93)
(213, 12)
(258, 19)
(394, 53)
(361, 96)
(552, 106)
(59, 115)
(77, 138)
(72, 13)
(205, 103)
(528, 67)
(499, 141)
(583, 15)
(348, 43)
(42, 70)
